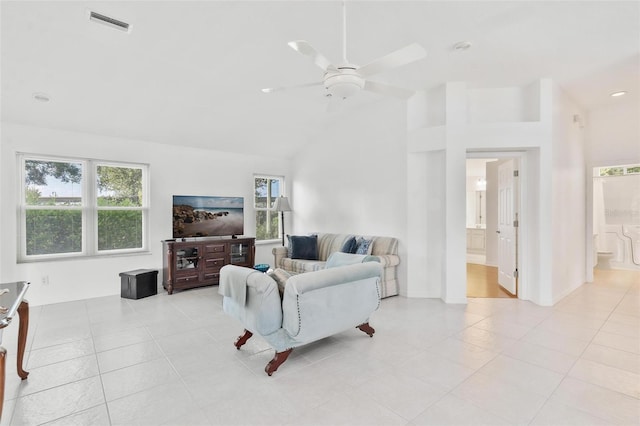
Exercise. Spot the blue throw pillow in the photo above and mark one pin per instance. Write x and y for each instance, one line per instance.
(364, 246)
(350, 245)
(303, 247)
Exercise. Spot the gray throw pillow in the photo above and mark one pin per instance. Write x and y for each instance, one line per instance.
(350, 245)
(364, 246)
(304, 247)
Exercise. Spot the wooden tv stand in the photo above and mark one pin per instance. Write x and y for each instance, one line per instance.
(197, 262)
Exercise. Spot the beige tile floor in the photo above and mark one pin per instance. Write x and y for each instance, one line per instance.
(169, 360)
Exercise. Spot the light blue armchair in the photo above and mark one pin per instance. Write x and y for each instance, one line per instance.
(313, 306)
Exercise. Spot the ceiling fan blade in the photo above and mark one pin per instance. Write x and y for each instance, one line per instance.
(406, 55)
(285, 88)
(384, 89)
(304, 47)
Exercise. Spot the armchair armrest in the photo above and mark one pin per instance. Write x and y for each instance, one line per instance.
(388, 259)
(279, 253)
(258, 307)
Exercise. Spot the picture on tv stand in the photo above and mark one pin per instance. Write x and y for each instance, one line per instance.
(207, 216)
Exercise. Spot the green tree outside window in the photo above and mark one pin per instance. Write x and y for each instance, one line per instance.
(266, 190)
(57, 212)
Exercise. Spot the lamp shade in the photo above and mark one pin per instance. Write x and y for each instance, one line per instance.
(282, 204)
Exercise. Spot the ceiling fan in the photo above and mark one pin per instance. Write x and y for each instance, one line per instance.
(347, 79)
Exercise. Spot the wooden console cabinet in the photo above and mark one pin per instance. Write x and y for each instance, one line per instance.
(189, 264)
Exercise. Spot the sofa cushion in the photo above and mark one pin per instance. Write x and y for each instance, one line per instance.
(341, 259)
(350, 245)
(304, 247)
(299, 265)
(280, 276)
(364, 246)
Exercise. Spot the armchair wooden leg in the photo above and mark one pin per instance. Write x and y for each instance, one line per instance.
(23, 314)
(243, 339)
(366, 328)
(277, 360)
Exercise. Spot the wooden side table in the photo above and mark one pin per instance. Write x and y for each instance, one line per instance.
(11, 302)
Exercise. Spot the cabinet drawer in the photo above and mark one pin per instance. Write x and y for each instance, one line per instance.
(214, 263)
(212, 276)
(214, 248)
(186, 278)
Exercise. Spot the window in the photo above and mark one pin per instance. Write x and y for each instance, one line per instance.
(619, 170)
(266, 190)
(76, 207)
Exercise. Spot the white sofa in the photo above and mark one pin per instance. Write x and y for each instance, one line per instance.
(312, 306)
(384, 248)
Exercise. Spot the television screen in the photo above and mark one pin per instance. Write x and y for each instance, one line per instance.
(202, 216)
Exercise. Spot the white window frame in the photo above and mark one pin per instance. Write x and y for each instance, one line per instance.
(89, 208)
(268, 209)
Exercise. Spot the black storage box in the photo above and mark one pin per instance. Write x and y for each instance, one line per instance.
(139, 283)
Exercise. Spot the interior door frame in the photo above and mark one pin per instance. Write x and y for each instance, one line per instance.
(523, 287)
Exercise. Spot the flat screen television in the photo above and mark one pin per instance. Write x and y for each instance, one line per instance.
(207, 216)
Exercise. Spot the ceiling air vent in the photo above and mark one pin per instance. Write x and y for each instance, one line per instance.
(113, 23)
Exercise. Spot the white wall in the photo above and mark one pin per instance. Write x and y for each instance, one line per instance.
(425, 189)
(569, 197)
(530, 121)
(173, 170)
(351, 178)
(613, 134)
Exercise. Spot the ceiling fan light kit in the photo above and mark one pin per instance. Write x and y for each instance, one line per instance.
(344, 83)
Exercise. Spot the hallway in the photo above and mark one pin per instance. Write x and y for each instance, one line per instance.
(482, 281)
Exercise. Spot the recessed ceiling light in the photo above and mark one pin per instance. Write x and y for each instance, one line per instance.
(267, 90)
(462, 45)
(41, 97)
(620, 93)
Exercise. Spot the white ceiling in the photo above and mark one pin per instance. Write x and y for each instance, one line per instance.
(190, 73)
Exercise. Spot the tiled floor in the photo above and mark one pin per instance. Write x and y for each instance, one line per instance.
(170, 360)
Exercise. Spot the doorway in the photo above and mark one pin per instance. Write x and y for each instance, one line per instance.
(616, 217)
(492, 207)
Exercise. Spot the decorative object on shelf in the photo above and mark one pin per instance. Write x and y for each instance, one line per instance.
(262, 267)
(282, 205)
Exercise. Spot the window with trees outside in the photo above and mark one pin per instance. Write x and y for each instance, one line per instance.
(620, 170)
(266, 190)
(80, 207)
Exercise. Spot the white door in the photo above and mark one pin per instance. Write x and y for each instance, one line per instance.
(506, 230)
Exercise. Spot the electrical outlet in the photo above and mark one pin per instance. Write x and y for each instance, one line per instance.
(44, 280)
